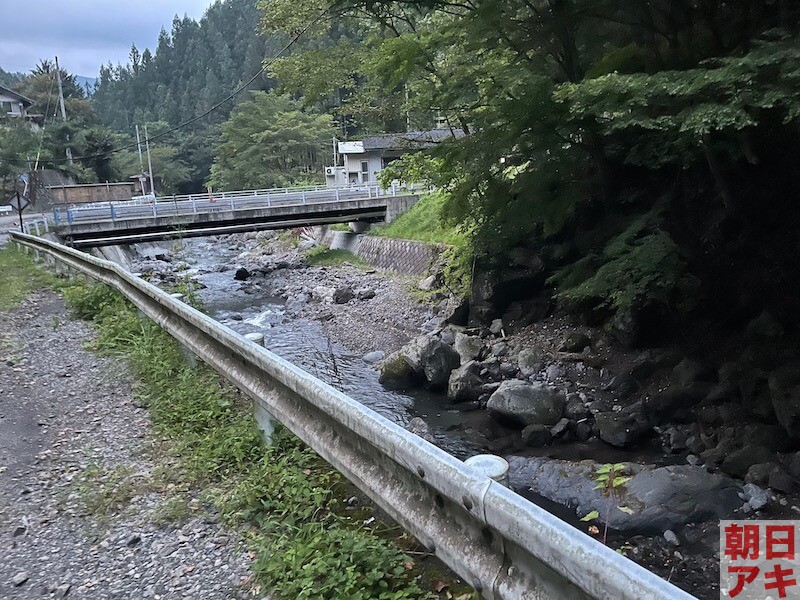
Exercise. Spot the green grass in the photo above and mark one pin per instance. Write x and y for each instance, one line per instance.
(290, 504)
(325, 257)
(423, 223)
(18, 277)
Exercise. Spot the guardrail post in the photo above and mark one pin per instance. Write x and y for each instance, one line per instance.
(337, 194)
(155, 210)
(369, 192)
(304, 196)
(113, 213)
(69, 216)
(55, 216)
(194, 205)
(268, 204)
(232, 204)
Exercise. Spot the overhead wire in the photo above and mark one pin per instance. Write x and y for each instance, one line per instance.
(228, 98)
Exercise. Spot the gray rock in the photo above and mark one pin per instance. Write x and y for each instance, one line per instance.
(468, 346)
(536, 435)
(671, 538)
(496, 327)
(420, 428)
(660, 498)
(560, 427)
(241, 274)
(626, 328)
(342, 295)
(530, 361)
(373, 357)
(739, 461)
(19, 579)
(499, 349)
(623, 428)
(554, 372)
(575, 342)
(527, 403)
(323, 293)
(428, 284)
(755, 497)
(426, 358)
(465, 384)
(364, 293)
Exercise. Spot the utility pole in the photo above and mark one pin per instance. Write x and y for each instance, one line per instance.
(63, 110)
(139, 147)
(149, 162)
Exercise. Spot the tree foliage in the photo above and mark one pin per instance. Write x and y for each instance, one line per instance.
(270, 142)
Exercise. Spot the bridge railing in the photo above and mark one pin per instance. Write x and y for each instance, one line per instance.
(500, 543)
(215, 202)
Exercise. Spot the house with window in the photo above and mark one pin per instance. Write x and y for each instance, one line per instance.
(362, 161)
(15, 105)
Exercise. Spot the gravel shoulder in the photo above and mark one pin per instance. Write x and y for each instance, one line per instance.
(89, 507)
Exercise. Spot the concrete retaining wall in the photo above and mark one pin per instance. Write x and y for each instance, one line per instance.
(408, 257)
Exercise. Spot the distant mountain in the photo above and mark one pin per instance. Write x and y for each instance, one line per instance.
(82, 81)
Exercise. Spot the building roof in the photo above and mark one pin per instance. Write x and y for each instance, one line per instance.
(17, 95)
(412, 140)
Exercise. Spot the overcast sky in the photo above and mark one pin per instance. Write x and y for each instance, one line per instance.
(84, 33)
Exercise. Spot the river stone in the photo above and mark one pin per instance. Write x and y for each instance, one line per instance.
(241, 274)
(739, 461)
(424, 358)
(373, 357)
(575, 342)
(467, 346)
(660, 498)
(530, 361)
(323, 293)
(365, 293)
(526, 403)
(623, 428)
(342, 295)
(465, 384)
(496, 327)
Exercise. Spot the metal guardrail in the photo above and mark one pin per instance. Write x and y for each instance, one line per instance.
(500, 543)
(208, 203)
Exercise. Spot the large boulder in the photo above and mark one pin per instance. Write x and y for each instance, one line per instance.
(425, 358)
(342, 295)
(575, 342)
(524, 403)
(465, 384)
(657, 498)
(467, 346)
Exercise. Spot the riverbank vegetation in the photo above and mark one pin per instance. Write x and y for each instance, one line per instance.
(311, 539)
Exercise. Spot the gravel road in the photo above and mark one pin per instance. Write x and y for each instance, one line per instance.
(87, 505)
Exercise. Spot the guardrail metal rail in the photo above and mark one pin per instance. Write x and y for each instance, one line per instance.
(497, 541)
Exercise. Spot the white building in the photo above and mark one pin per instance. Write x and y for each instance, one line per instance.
(362, 161)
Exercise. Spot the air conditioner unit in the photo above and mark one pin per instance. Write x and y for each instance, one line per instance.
(330, 170)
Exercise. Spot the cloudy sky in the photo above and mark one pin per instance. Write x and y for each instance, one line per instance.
(84, 33)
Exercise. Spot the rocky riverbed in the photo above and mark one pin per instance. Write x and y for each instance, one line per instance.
(88, 505)
(557, 399)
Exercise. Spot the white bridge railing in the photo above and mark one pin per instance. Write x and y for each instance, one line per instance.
(500, 543)
(166, 206)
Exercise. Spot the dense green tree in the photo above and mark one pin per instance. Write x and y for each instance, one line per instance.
(269, 141)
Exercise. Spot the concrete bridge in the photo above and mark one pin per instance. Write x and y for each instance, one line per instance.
(128, 222)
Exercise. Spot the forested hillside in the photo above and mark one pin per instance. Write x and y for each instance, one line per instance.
(638, 155)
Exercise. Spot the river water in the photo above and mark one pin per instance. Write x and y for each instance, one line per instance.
(307, 344)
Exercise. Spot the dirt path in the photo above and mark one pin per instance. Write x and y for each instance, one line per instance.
(85, 508)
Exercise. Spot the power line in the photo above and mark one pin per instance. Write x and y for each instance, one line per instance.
(231, 96)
